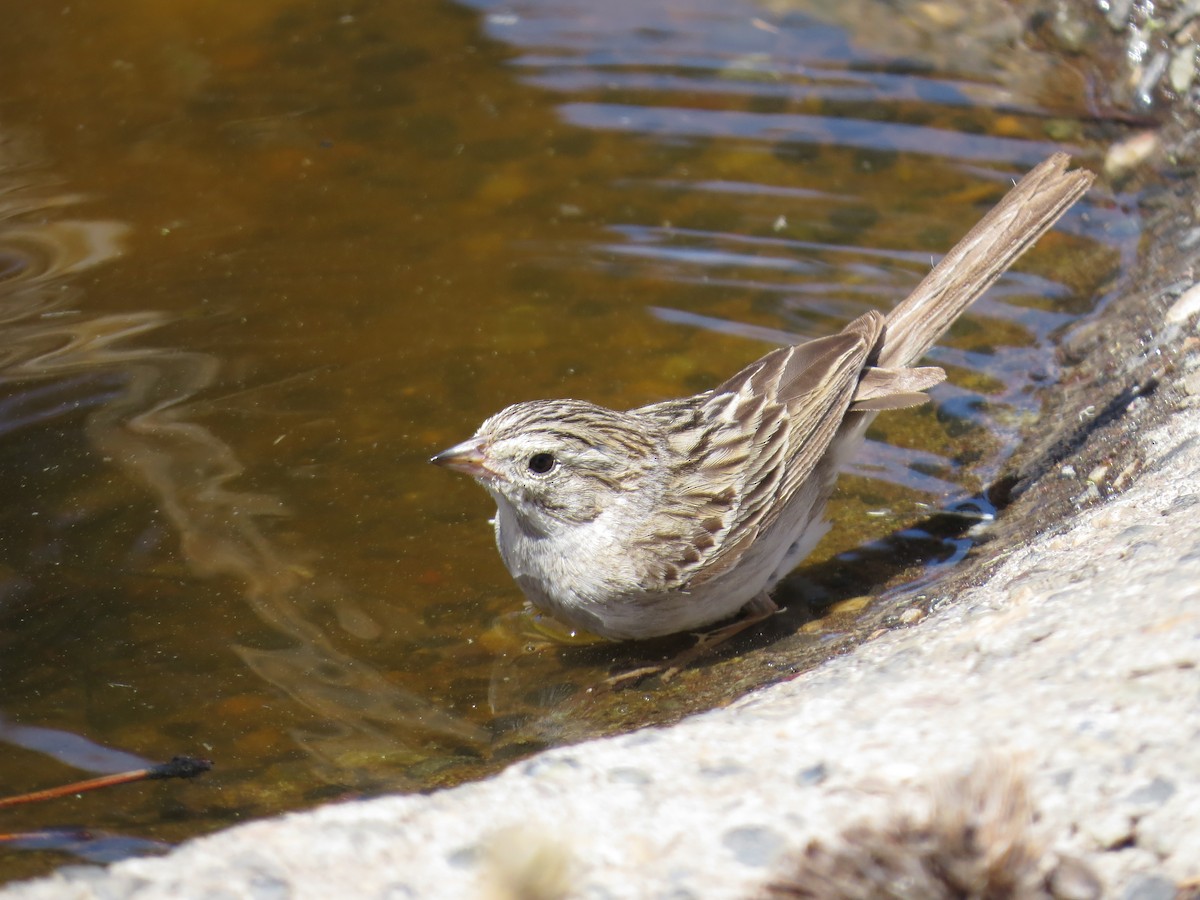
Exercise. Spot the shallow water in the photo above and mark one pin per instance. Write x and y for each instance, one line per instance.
(259, 261)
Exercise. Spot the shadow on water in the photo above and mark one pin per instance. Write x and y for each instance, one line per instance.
(301, 250)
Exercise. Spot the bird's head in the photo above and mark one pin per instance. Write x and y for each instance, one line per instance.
(557, 462)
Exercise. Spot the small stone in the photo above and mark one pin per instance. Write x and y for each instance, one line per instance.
(912, 615)
(1180, 503)
(1125, 475)
(1173, 833)
(1181, 71)
(1185, 306)
(463, 857)
(1191, 384)
(1149, 887)
(1124, 157)
(1132, 533)
(1071, 30)
(722, 769)
(813, 774)
(754, 845)
(1152, 795)
(629, 775)
(1118, 14)
(1110, 829)
(1073, 879)
(850, 605)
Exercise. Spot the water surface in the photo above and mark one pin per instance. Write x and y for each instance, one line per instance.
(259, 261)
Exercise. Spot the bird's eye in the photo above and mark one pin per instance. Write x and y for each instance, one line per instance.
(541, 463)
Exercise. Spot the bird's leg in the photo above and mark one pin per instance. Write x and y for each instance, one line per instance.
(757, 610)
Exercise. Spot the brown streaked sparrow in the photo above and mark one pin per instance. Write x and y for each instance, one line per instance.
(673, 516)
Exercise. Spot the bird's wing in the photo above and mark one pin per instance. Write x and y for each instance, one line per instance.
(732, 487)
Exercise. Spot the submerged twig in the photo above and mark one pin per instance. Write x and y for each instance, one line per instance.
(178, 767)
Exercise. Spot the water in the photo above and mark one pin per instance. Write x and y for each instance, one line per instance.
(259, 261)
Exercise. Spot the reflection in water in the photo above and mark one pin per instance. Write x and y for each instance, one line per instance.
(691, 74)
(140, 420)
(88, 844)
(71, 749)
(817, 130)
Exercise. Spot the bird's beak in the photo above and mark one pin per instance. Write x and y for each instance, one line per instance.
(466, 457)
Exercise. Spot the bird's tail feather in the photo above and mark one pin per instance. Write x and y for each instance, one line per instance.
(1011, 228)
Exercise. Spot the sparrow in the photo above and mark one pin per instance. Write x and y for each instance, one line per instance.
(681, 514)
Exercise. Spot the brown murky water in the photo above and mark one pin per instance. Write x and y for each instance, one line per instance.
(259, 261)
